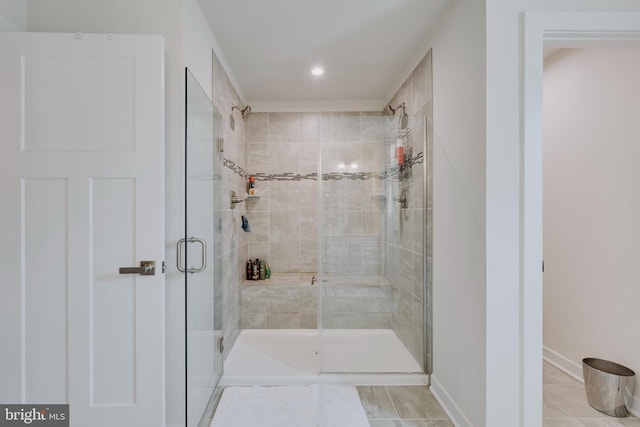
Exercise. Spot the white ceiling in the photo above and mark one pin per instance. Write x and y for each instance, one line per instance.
(367, 48)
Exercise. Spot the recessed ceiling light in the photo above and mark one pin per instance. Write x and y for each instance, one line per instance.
(317, 71)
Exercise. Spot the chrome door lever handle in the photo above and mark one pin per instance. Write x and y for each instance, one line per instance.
(147, 268)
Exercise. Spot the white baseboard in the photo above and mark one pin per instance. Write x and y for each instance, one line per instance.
(635, 406)
(559, 361)
(456, 416)
(575, 370)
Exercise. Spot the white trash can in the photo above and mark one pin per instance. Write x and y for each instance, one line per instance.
(609, 386)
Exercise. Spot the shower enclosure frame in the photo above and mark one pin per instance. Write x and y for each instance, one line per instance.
(248, 370)
(409, 253)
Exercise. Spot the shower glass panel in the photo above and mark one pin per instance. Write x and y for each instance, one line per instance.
(371, 243)
(201, 249)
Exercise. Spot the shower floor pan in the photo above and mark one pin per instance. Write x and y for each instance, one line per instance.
(334, 356)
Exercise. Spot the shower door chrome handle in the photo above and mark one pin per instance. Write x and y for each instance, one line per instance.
(203, 261)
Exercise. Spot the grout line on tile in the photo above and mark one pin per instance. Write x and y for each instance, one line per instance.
(392, 402)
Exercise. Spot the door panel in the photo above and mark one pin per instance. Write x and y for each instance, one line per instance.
(108, 125)
(82, 174)
(44, 235)
(112, 350)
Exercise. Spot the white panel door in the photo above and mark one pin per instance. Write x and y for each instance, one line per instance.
(82, 194)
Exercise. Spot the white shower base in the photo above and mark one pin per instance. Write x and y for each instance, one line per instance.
(334, 356)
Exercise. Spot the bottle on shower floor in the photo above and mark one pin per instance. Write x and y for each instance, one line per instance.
(256, 270)
(263, 271)
(249, 270)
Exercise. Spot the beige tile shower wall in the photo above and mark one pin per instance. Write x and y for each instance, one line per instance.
(234, 240)
(272, 305)
(404, 243)
(352, 210)
(288, 217)
(283, 220)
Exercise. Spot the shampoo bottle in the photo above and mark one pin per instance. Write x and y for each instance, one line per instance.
(400, 151)
(252, 185)
(256, 269)
(249, 271)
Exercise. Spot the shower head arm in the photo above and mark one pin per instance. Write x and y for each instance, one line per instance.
(390, 111)
(243, 111)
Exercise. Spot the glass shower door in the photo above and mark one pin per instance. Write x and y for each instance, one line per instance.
(371, 293)
(199, 252)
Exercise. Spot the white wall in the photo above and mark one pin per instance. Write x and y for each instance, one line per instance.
(507, 396)
(13, 15)
(198, 43)
(591, 208)
(162, 17)
(459, 211)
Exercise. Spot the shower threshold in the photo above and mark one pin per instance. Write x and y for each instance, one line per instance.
(333, 356)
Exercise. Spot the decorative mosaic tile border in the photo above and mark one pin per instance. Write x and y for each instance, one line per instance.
(235, 168)
(287, 176)
(334, 176)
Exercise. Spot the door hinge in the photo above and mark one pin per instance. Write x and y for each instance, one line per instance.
(221, 345)
(164, 267)
(221, 145)
(543, 266)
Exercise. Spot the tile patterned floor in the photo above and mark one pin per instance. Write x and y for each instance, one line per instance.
(387, 406)
(402, 406)
(565, 403)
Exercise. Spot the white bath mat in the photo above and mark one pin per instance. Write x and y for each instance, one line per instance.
(316, 405)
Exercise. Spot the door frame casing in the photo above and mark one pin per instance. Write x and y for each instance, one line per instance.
(556, 30)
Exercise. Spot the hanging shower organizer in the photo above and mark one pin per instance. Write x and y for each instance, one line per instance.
(404, 167)
(398, 169)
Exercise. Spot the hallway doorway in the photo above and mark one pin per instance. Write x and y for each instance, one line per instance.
(544, 30)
